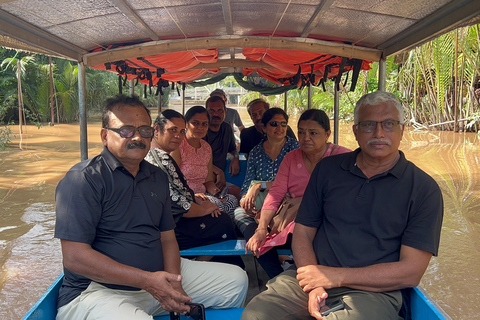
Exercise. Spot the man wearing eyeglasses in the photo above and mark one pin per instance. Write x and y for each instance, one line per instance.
(114, 221)
(367, 227)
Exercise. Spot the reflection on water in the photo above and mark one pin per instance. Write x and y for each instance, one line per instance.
(30, 257)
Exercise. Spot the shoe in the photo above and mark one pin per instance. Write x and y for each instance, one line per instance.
(287, 264)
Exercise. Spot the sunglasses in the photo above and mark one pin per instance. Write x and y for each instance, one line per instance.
(129, 131)
(277, 123)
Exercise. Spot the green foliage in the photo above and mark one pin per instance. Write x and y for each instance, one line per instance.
(5, 135)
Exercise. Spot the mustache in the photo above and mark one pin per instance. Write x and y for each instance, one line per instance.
(215, 117)
(382, 141)
(136, 144)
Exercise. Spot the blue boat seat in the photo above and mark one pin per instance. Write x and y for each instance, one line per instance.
(213, 314)
(224, 248)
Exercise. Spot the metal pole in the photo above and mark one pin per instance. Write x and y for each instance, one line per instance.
(183, 99)
(159, 108)
(309, 93)
(382, 74)
(132, 87)
(285, 101)
(336, 103)
(82, 110)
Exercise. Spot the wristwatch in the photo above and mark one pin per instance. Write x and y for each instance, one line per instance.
(263, 186)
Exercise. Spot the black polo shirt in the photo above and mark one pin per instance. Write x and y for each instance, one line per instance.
(100, 203)
(222, 142)
(363, 221)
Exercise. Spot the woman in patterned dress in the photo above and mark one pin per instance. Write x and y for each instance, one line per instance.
(198, 221)
(263, 163)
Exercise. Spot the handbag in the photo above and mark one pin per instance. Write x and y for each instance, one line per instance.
(285, 214)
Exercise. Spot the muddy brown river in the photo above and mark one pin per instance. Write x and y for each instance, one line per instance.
(30, 258)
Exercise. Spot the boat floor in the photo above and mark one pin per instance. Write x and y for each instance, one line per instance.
(257, 277)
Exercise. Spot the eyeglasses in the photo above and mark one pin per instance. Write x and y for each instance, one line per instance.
(129, 131)
(175, 130)
(277, 123)
(388, 125)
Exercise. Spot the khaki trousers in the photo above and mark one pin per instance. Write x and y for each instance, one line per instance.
(284, 299)
(215, 285)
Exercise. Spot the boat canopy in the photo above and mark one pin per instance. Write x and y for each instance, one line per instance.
(290, 42)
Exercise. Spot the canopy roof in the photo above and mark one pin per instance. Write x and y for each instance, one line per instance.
(183, 40)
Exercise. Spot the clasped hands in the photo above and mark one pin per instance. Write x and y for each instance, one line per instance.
(248, 200)
(167, 289)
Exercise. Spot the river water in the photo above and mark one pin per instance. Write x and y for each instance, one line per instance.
(30, 258)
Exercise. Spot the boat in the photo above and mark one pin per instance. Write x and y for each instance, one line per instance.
(422, 307)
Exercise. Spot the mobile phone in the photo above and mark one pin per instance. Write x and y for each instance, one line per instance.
(197, 312)
(223, 193)
(334, 306)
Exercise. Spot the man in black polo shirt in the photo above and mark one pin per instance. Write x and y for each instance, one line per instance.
(221, 139)
(253, 135)
(114, 221)
(367, 227)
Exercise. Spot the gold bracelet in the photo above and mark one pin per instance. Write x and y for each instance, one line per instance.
(260, 229)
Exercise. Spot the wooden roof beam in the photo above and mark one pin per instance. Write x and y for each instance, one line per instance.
(27, 33)
(302, 44)
(315, 18)
(132, 15)
(441, 21)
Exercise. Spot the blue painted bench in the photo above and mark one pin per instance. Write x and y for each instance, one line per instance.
(225, 248)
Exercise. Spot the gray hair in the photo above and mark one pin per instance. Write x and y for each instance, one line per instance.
(376, 98)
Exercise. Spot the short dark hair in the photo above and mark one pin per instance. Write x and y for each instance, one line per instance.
(195, 110)
(166, 115)
(119, 101)
(270, 113)
(251, 103)
(215, 99)
(316, 115)
(216, 92)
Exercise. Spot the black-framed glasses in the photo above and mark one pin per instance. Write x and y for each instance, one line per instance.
(129, 131)
(277, 123)
(388, 125)
(175, 130)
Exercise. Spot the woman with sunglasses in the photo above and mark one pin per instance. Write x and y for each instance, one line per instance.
(198, 221)
(293, 176)
(262, 166)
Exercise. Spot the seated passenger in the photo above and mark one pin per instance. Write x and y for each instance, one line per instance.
(262, 167)
(194, 158)
(198, 221)
(293, 175)
(251, 136)
(115, 225)
(367, 227)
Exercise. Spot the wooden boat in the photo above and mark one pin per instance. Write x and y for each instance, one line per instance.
(421, 307)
